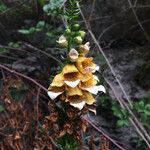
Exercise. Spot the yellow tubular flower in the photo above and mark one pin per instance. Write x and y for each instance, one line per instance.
(74, 91)
(75, 98)
(85, 65)
(85, 77)
(91, 87)
(58, 81)
(70, 68)
(89, 98)
(76, 83)
(80, 101)
(90, 82)
(71, 75)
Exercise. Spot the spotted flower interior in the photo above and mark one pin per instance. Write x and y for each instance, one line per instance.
(76, 84)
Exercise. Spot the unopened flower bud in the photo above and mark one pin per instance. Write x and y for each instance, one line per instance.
(78, 39)
(68, 31)
(76, 27)
(73, 55)
(62, 41)
(85, 48)
(82, 34)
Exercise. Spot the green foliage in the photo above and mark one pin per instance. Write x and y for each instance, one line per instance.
(14, 44)
(53, 33)
(142, 109)
(3, 50)
(53, 7)
(73, 31)
(41, 2)
(68, 143)
(104, 101)
(2, 8)
(72, 13)
(38, 28)
(139, 143)
(122, 114)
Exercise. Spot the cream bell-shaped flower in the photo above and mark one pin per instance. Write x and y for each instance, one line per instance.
(85, 48)
(79, 105)
(73, 55)
(92, 89)
(53, 95)
(72, 83)
(95, 89)
(101, 88)
(62, 41)
(54, 92)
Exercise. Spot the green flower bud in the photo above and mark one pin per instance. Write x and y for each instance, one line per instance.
(78, 39)
(82, 34)
(76, 27)
(68, 31)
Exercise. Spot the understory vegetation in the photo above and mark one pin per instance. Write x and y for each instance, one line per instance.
(55, 81)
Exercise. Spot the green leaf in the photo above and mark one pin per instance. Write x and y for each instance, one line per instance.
(41, 2)
(3, 8)
(147, 107)
(53, 6)
(117, 111)
(40, 24)
(141, 105)
(46, 8)
(147, 123)
(32, 30)
(147, 113)
(121, 123)
(24, 31)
